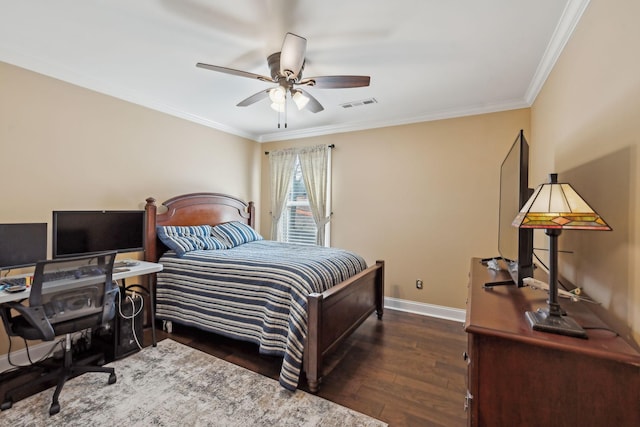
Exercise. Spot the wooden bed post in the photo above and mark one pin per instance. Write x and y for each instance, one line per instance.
(150, 251)
(314, 332)
(150, 254)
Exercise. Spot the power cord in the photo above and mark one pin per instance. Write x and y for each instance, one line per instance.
(134, 313)
(48, 354)
(576, 291)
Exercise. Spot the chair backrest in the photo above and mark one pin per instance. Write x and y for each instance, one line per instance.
(69, 289)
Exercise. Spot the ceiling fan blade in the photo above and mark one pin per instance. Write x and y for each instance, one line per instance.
(234, 72)
(336, 82)
(292, 55)
(313, 105)
(254, 98)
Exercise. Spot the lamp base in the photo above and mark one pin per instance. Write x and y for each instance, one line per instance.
(541, 320)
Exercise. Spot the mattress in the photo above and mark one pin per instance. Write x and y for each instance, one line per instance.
(255, 292)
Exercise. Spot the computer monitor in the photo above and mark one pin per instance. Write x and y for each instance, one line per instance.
(22, 245)
(85, 232)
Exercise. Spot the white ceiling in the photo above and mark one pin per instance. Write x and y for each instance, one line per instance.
(428, 59)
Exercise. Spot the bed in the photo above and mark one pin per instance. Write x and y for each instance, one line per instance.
(320, 316)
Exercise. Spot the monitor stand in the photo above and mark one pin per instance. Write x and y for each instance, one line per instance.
(500, 283)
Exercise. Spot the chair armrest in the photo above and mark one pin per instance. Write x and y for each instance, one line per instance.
(35, 316)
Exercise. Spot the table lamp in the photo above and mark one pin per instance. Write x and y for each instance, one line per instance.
(555, 207)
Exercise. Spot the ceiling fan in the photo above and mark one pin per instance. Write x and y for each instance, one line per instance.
(286, 69)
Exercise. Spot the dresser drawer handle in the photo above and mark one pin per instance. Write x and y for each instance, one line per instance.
(467, 401)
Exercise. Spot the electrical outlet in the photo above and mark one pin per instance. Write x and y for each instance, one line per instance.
(419, 284)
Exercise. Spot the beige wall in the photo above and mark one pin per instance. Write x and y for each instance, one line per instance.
(585, 127)
(422, 197)
(64, 147)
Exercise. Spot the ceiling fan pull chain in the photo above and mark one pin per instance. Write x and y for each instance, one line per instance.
(285, 110)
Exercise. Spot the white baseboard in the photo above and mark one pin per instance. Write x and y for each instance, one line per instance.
(19, 357)
(424, 309)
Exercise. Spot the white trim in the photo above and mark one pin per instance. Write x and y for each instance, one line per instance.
(431, 310)
(567, 23)
(56, 71)
(19, 357)
(374, 124)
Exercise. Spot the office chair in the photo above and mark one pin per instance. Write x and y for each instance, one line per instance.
(67, 295)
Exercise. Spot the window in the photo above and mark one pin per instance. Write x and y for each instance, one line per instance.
(300, 185)
(296, 223)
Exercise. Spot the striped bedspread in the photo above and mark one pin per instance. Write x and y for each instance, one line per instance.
(255, 292)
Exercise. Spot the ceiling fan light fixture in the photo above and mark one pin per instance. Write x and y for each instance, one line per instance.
(278, 95)
(278, 107)
(300, 99)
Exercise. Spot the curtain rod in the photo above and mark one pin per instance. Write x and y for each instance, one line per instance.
(330, 146)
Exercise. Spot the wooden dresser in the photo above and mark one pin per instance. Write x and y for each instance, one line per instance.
(520, 377)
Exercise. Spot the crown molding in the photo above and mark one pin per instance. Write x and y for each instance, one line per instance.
(437, 115)
(566, 25)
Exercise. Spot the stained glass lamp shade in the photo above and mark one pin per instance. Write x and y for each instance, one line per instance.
(554, 207)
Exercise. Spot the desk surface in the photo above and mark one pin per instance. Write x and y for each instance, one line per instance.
(142, 268)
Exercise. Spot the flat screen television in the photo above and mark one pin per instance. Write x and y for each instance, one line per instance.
(87, 232)
(515, 245)
(22, 245)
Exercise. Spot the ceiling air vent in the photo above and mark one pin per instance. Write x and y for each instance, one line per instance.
(359, 103)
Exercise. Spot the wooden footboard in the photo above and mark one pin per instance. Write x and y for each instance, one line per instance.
(334, 314)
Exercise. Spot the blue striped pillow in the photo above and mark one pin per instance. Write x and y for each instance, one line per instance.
(183, 239)
(235, 233)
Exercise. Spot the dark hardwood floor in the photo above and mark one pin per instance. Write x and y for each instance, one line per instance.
(406, 370)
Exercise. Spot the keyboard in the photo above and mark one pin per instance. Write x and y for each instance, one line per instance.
(58, 275)
(11, 281)
(72, 274)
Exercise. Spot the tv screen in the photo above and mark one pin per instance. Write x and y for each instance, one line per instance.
(515, 245)
(86, 232)
(22, 245)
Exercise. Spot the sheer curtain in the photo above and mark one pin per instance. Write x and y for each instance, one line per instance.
(281, 164)
(314, 163)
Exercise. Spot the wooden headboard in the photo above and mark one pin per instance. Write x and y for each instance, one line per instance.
(192, 209)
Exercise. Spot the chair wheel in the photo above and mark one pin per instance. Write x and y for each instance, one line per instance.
(54, 409)
(7, 404)
(112, 378)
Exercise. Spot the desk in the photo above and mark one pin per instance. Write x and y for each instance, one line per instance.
(143, 268)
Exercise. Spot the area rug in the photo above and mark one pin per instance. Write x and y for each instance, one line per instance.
(175, 385)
